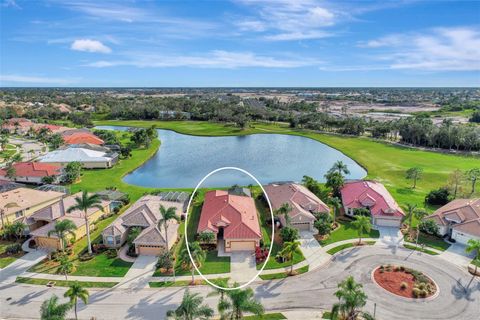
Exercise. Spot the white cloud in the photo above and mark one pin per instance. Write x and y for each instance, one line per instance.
(285, 20)
(35, 79)
(10, 4)
(215, 59)
(440, 49)
(89, 45)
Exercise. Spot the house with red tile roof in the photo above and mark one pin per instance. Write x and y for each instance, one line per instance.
(374, 196)
(232, 218)
(303, 203)
(81, 137)
(459, 219)
(33, 172)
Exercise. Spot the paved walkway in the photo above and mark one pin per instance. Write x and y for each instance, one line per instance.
(122, 254)
(139, 273)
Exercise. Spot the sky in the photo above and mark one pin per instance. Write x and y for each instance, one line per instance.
(239, 43)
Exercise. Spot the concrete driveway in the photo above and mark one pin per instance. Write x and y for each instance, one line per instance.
(139, 273)
(390, 236)
(19, 266)
(310, 248)
(456, 254)
(242, 266)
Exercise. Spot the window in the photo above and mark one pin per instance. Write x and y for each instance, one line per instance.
(117, 240)
(110, 240)
(18, 214)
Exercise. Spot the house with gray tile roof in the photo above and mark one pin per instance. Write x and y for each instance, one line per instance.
(145, 214)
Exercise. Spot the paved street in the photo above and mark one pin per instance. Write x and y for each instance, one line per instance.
(459, 296)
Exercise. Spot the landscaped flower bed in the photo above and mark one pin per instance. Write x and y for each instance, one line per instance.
(404, 281)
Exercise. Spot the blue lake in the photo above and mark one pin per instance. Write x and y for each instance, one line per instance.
(183, 160)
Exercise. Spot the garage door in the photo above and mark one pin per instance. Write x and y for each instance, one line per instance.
(48, 243)
(242, 245)
(387, 222)
(460, 237)
(301, 226)
(149, 251)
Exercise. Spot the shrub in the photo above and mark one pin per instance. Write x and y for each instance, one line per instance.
(85, 257)
(323, 227)
(416, 292)
(429, 226)
(403, 285)
(111, 253)
(13, 248)
(361, 212)
(165, 260)
(439, 196)
(289, 234)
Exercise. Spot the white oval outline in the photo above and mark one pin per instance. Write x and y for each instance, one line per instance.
(186, 225)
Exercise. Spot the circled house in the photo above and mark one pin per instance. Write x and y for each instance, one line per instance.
(232, 218)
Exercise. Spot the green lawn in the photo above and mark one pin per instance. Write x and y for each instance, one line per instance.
(433, 242)
(65, 283)
(267, 316)
(326, 315)
(99, 266)
(282, 275)
(412, 247)
(5, 259)
(346, 231)
(267, 233)
(347, 245)
(383, 161)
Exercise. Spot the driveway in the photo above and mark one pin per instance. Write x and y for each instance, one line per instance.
(139, 273)
(311, 249)
(390, 236)
(242, 266)
(19, 266)
(456, 254)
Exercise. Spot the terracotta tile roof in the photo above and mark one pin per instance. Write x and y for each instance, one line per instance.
(237, 214)
(23, 198)
(465, 213)
(82, 137)
(34, 169)
(372, 194)
(301, 200)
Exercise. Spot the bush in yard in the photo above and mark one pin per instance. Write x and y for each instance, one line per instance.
(429, 226)
(165, 260)
(289, 234)
(403, 285)
(13, 248)
(361, 212)
(439, 196)
(206, 237)
(323, 228)
(111, 253)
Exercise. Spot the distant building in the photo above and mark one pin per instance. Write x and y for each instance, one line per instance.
(302, 202)
(33, 172)
(459, 219)
(232, 219)
(81, 137)
(88, 158)
(372, 195)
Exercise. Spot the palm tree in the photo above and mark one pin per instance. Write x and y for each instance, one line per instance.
(75, 292)
(167, 215)
(288, 251)
(240, 301)
(352, 298)
(84, 203)
(191, 308)
(363, 224)
(474, 246)
(52, 310)
(340, 167)
(285, 211)
(65, 266)
(222, 283)
(61, 229)
(336, 203)
(413, 212)
(198, 256)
